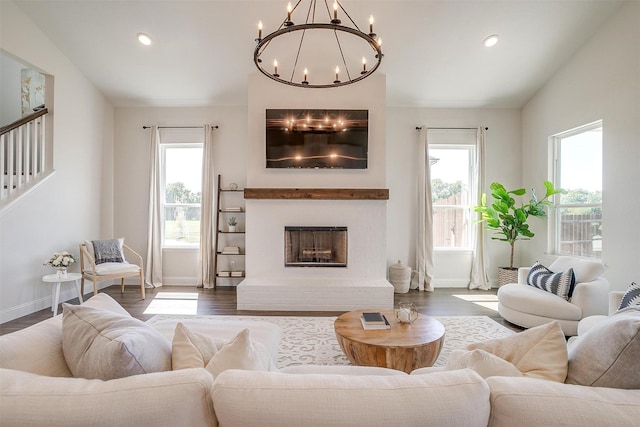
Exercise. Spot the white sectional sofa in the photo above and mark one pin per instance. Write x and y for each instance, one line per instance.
(36, 389)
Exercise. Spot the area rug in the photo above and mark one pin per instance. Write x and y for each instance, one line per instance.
(311, 340)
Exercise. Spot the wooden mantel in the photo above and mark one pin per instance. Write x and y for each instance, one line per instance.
(317, 193)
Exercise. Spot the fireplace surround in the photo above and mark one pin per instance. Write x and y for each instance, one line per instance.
(315, 246)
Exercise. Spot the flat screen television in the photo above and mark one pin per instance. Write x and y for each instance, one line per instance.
(317, 138)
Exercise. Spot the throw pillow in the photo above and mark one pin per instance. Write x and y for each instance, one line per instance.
(539, 352)
(607, 355)
(560, 284)
(631, 297)
(100, 344)
(190, 349)
(483, 362)
(107, 250)
(240, 353)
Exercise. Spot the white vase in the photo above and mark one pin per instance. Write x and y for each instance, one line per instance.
(232, 228)
(61, 272)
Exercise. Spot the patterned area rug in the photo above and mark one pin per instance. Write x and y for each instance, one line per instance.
(311, 340)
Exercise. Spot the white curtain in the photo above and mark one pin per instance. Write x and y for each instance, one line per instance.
(480, 263)
(424, 241)
(153, 271)
(206, 264)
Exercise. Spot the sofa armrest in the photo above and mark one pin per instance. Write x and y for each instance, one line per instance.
(533, 402)
(523, 273)
(169, 398)
(592, 297)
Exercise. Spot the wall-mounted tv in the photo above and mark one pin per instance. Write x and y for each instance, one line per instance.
(317, 139)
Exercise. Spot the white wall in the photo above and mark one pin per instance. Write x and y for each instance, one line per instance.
(131, 196)
(71, 205)
(602, 81)
(503, 149)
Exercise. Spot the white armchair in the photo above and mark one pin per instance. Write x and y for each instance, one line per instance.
(528, 306)
(109, 270)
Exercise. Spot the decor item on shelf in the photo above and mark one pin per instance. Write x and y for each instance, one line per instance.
(400, 277)
(406, 312)
(60, 261)
(233, 186)
(232, 224)
(509, 221)
(335, 54)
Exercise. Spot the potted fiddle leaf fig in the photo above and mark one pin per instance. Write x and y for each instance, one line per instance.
(508, 218)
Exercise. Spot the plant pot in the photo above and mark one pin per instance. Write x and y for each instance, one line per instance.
(61, 272)
(232, 229)
(507, 275)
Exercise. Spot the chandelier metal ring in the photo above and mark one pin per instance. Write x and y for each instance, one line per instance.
(289, 27)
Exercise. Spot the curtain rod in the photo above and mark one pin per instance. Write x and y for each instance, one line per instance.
(180, 127)
(422, 127)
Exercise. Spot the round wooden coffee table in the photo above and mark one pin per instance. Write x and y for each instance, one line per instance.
(405, 347)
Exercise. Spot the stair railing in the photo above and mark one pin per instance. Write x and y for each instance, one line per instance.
(22, 154)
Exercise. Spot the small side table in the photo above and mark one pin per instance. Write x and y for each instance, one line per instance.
(55, 292)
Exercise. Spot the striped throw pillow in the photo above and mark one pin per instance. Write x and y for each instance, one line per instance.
(560, 284)
(631, 297)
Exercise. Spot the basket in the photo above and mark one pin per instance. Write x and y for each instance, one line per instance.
(400, 277)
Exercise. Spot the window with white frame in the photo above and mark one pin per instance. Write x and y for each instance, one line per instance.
(452, 159)
(182, 191)
(577, 229)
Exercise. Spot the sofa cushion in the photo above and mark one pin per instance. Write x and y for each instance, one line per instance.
(484, 363)
(607, 355)
(631, 297)
(101, 344)
(108, 268)
(539, 352)
(585, 270)
(243, 398)
(181, 398)
(532, 402)
(561, 283)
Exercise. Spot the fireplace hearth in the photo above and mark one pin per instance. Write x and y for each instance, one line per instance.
(315, 246)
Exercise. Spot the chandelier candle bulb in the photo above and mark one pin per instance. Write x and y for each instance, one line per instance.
(275, 67)
(260, 30)
(304, 82)
(335, 10)
(289, 8)
(364, 65)
(371, 24)
(337, 75)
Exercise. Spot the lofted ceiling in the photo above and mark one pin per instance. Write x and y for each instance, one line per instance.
(202, 51)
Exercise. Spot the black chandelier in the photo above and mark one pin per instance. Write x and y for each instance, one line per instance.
(329, 46)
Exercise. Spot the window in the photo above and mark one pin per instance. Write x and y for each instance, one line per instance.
(577, 229)
(452, 178)
(182, 190)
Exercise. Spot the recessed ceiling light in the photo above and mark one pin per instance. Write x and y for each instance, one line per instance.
(491, 40)
(144, 39)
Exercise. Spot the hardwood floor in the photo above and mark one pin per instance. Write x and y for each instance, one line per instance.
(188, 300)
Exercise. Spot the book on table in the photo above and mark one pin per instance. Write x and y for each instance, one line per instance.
(374, 321)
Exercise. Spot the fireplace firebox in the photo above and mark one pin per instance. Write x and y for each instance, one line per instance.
(315, 246)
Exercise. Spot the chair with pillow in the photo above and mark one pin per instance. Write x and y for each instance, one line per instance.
(102, 260)
(568, 291)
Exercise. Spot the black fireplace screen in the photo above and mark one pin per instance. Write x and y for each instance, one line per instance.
(315, 246)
